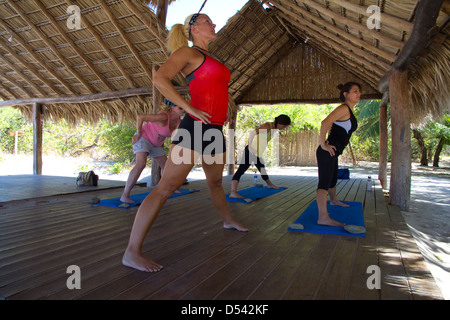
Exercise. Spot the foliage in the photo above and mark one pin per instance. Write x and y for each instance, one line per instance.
(112, 142)
(11, 120)
(116, 141)
(303, 117)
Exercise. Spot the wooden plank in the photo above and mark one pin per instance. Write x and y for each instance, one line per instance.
(366, 254)
(263, 222)
(309, 275)
(201, 259)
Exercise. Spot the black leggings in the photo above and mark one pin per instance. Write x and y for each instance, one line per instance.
(245, 163)
(328, 169)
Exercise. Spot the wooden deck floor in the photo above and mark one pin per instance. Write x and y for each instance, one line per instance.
(39, 239)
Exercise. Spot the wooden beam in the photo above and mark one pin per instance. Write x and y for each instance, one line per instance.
(383, 156)
(89, 97)
(37, 138)
(30, 51)
(148, 24)
(9, 79)
(358, 27)
(23, 76)
(74, 47)
(126, 40)
(372, 65)
(327, 27)
(400, 185)
(305, 101)
(35, 72)
(392, 21)
(7, 90)
(423, 32)
(107, 50)
(51, 46)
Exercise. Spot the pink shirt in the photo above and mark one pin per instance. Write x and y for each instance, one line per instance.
(157, 134)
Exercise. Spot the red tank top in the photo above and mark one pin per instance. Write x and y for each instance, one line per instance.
(208, 85)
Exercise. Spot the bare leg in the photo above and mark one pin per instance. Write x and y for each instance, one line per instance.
(324, 218)
(213, 174)
(135, 173)
(172, 179)
(334, 200)
(233, 193)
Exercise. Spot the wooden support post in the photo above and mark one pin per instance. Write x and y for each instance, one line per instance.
(157, 97)
(161, 13)
(383, 161)
(37, 138)
(400, 185)
(231, 148)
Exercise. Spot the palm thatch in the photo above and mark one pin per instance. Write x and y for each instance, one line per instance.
(289, 51)
(115, 48)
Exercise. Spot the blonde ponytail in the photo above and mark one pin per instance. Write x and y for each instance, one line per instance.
(179, 35)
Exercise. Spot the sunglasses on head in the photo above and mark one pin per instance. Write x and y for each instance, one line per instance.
(195, 16)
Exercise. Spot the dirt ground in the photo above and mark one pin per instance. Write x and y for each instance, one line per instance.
(428, 217)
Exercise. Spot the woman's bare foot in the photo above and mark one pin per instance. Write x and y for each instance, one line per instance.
(126, 200)
(327, 221)
(234, 225)
(139, 262)
(338, 203)
(234, 194)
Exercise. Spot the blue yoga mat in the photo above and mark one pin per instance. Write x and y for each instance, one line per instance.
(352, 215)
(139, 197)
(254, 193)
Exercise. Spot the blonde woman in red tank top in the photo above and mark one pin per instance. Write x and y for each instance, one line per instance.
(200, 30)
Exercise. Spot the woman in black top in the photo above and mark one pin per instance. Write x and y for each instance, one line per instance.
(340, 124)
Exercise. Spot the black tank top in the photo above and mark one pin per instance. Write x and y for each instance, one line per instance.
(341, 131)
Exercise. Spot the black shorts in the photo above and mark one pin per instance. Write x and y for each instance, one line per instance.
(328, 168)
(206, 139)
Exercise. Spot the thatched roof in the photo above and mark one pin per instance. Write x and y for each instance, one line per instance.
(298, 51)
(280, 51)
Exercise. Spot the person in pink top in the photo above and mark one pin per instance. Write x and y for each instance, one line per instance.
(148, 141)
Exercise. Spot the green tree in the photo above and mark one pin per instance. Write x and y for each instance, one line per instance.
(11, 120)
(432, 136)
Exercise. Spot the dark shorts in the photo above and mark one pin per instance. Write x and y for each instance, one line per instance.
(206, 139)
(328, 168)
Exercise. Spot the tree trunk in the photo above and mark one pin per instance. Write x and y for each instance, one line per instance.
(437, 153)
(422, 147)
(355, 163)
